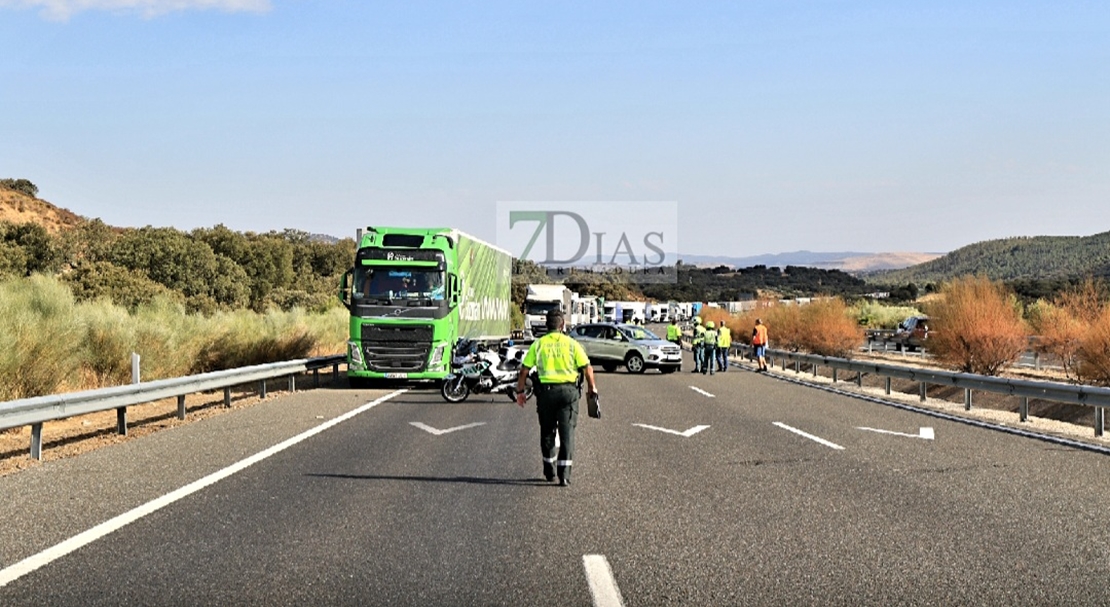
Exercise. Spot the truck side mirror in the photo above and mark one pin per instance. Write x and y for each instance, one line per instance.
(455, 289)
(345, 288)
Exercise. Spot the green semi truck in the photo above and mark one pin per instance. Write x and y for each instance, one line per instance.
(413, 292)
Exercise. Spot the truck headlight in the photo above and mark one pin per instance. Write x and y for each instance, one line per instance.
(437, 356)
(354, 355)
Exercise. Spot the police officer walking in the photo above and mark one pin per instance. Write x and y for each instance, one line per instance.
(558, 359)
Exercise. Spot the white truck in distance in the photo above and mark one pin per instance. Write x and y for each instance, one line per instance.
(540, 300)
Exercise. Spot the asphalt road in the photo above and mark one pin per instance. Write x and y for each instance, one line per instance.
(733, 506)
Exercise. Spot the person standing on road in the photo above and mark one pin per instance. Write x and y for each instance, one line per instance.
(759, 342)
(696, 344)
(558, 360)
(724, 344)
(709, 348)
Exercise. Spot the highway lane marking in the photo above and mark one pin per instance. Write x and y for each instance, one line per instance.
(925, 432)
(84, 538)
(809, 436)
(438, 432)
(702, 392)
(686, 434)
(603, 587)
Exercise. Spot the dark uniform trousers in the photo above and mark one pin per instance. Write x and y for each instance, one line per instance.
(557, 406)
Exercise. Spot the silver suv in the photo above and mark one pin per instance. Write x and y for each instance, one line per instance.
(630, 346)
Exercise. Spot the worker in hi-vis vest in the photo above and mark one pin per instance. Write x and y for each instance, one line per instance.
(724, 344)
(696, 345)
(558, 360)
(709, 348)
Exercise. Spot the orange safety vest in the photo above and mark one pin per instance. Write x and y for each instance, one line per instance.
(759, 336)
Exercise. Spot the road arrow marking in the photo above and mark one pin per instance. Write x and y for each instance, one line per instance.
(810, 436)
(438, 432)
(700, 391)
(686, 434)
(925, 432)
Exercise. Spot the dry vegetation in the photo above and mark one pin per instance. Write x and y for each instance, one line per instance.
(49, 343)
(982, 330)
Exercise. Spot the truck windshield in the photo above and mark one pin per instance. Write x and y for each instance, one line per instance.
(393, 283)
(539, 308)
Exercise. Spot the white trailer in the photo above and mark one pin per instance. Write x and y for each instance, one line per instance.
(542, 299)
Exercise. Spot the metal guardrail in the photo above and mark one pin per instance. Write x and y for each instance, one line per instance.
(40, 409)
(1093, 396)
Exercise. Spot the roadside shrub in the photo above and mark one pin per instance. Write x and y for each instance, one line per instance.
(1059, 333)
(40, 338)
(1094, 351)
(830, 328)
(108, 343)
(243, 338)
(331, 331)
(981, 330)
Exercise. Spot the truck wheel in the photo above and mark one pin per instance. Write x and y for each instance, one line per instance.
(609, 367)
(454, 390)
(634, 363)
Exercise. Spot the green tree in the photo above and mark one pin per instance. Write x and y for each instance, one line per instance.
(40, 252)
(181, 263)
(20, 185)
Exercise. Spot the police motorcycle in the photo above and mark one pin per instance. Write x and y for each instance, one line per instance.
(477, 369)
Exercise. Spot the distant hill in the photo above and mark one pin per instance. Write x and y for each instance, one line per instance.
(1022, 258)
(17, 207)
(850, 262)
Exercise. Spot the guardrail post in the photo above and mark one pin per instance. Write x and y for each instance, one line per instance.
(316, 377)
(834, 375)
(135, 375)
(1100, 419)
(797, 366)
(967, 399)
(922, 391)
(36, 441)
(121, 421)
(859, 379)
(1023, 410)
(292, 383)
(335, 373)
(180, 406)
(227, 397)
(888, 386)
(1037, 360)
(815, 369)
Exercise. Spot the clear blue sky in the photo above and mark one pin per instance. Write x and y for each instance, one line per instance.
(776, 126)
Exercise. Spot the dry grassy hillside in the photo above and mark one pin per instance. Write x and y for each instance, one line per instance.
(17, 207)
(884, 261)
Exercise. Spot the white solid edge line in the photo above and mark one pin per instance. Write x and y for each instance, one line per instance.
(700, 391)
(809, 436)
(602, 585)
(31, 563)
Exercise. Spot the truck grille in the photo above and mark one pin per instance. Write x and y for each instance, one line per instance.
(396, 348)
